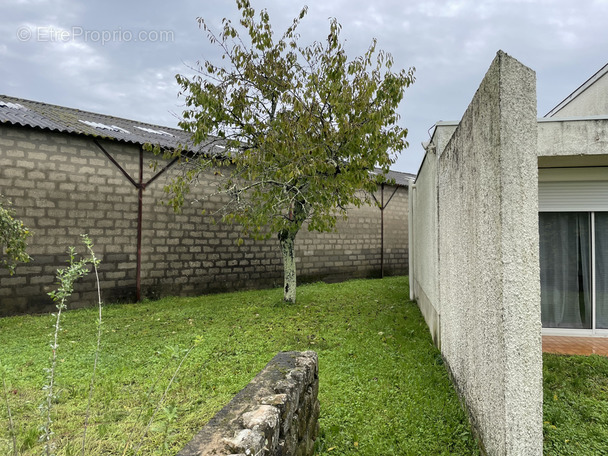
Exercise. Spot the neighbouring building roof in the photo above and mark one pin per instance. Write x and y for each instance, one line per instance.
(34, 114)
(27, 113)
(583, 87)
(401, 179)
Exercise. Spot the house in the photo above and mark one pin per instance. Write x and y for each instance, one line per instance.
(509, 240)
(69, 172)
(573, 211)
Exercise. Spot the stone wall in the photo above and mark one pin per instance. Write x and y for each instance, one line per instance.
(488, 289)
(276, 414)
(62, 186)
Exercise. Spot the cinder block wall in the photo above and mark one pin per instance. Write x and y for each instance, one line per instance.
(63, 186)
(488, 281)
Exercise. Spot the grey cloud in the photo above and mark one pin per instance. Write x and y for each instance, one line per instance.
(450, 43)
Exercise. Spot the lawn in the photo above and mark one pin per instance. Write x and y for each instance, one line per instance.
(575, 405)
(383, 387)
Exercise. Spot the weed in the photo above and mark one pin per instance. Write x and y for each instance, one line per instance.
(65, 278)
(55, 397)
(95, 262)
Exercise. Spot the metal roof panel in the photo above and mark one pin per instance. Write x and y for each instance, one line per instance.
(69, 120)
(28, 113)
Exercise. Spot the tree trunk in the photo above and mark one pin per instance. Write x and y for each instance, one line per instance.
(287, 240)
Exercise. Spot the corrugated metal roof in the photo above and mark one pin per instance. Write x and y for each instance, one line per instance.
(400, 179)
(27, 113)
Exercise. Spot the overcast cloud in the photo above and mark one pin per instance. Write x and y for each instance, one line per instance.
(59, 52)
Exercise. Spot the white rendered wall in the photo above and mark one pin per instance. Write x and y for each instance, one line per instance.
(488, 252)
(424, 245)
(485, 271)
(424, 279)
(580, 138)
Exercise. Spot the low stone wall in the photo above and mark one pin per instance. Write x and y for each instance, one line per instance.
(275, 414)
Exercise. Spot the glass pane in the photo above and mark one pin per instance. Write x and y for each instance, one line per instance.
(601, 270)
(565, 279)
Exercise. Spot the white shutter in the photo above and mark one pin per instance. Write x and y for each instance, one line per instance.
(576, 196)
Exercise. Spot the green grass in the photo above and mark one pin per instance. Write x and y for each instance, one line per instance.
(383, 390)
(383, 387)
(575, 405)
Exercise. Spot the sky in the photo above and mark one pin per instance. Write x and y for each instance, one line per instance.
(120, 57)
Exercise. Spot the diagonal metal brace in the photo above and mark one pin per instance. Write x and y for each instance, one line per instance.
(140, 186)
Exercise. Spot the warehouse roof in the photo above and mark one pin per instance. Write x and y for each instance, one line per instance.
(27, 113)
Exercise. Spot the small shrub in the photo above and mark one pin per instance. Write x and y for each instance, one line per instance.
(13, 239)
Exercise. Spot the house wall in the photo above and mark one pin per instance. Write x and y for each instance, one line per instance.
(424, 253)
(591, 102)
(572, 142)
(63, 186)
(424, 275)
(487, 237)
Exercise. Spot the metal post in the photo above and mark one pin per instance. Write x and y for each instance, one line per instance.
(382, 232)
(140, 198)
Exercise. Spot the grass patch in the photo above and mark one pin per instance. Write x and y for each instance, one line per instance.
(383, 387)
(575, 405)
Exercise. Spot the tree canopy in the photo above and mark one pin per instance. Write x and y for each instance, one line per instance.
(301, 128)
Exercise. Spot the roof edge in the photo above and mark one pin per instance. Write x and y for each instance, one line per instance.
(584, 86)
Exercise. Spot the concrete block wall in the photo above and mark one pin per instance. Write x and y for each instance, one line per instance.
(63, 186)
(488, 290)
(186, 253)
(396, 247)
(275, 414)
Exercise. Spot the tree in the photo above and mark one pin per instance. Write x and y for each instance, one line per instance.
(302, 128)
(13, 239)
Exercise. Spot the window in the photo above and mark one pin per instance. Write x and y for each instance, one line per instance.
(574, 270)
(601, 270)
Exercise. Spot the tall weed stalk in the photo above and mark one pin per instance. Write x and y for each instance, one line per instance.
(95, 263)
(66, 277)
(65, 280)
